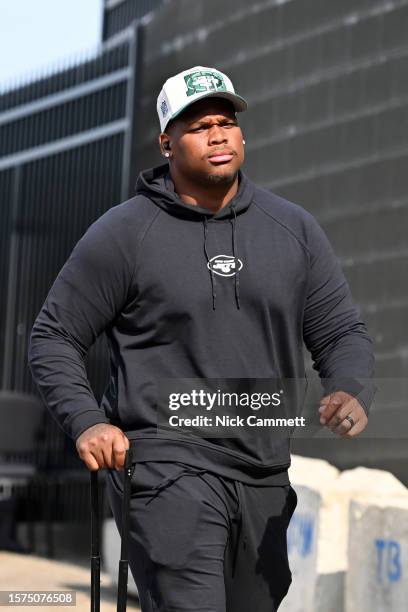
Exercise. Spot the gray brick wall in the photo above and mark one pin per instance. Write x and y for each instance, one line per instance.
(327, 125)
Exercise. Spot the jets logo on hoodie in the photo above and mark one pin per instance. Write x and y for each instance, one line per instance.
(224, 265)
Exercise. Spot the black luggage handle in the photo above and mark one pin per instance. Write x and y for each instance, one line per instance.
(95, 543)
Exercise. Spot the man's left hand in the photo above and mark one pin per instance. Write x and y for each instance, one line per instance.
(333, 411)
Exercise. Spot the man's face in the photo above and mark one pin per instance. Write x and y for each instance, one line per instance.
(206, 142)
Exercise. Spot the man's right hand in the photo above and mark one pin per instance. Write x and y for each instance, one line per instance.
(103, 446)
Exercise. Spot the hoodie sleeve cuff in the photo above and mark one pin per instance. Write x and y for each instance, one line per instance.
(83, 421)
(362, 390)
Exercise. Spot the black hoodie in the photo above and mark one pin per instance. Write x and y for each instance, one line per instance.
(183, 293)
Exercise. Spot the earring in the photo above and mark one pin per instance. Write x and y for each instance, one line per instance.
(166, 154)
(243, 142)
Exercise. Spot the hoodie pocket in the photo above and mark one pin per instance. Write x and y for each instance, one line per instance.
(167, 513)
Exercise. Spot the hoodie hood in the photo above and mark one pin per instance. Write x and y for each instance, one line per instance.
(157, 185)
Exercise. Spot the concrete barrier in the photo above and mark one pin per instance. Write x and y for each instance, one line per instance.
(333, 557)
(111, 554)
(378, 555)
(377, 542)
(341, 580)
(310, 478)
(320, 476)
(302, 538)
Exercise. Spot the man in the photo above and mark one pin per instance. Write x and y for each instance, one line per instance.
(200, 276)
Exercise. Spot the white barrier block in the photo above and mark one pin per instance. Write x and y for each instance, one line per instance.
(377, 578)
(111, 554)
(368, 480)
(309, 477)
(311, 472)
(331, 559)
(332, 550)
(333, 556)
(302, 538)
(337, 490)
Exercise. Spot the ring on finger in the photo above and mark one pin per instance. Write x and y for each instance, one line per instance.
(350, 419)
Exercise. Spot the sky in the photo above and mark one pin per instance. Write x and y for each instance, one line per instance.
(37, 36)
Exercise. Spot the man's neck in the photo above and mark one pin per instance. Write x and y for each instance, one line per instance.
(214, 197)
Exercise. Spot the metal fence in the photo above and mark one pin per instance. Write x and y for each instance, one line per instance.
(118, 14)
(66, 156)
(65, 160)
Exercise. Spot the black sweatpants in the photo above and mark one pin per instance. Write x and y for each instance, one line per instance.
(200, 542)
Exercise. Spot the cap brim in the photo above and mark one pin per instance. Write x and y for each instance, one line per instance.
(239, 103)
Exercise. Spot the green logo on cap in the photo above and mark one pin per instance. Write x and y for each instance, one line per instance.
(204, 80)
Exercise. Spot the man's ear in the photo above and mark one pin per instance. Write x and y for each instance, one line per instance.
(163, 140)
(165, 145)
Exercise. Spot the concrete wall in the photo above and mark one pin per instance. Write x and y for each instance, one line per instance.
(326, 127)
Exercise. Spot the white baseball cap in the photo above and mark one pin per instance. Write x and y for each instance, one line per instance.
(185, 88)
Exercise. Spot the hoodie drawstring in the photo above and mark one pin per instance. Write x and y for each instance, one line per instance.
(235, 254)
(208, 261)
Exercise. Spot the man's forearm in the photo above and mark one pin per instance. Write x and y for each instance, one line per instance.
(348, 365)
(59, 372)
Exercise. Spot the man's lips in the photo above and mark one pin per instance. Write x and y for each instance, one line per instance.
(221, 157)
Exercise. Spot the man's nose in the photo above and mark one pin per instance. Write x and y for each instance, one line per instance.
(217, 134)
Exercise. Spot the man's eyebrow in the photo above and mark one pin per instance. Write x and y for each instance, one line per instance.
(206, 121)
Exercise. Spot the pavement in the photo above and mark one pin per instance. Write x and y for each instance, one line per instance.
(26, 572)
